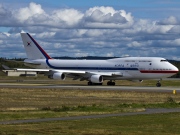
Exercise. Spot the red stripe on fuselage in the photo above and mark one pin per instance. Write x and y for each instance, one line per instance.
(158, 71)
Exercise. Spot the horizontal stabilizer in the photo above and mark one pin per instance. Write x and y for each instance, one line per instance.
(6, 67)
(32, 70)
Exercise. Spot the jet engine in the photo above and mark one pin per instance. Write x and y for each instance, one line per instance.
(58, 76)
(96, 79)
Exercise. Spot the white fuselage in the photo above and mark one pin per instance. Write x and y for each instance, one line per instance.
(129, 67)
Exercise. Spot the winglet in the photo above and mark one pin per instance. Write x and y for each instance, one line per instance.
(33, 49)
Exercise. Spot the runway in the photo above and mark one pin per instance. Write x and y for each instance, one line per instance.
(96, 87)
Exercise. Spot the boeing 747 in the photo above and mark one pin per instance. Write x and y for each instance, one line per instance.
(95, 71)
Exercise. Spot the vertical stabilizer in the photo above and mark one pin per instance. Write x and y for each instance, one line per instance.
(33, 49)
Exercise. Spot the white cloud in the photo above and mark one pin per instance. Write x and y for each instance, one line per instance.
(134, 44)
(94, 33)
(107, 17)
(169, 21)
(105, 10)
(46, 35)
(66, 17)
(97, 17)
(34, 10)
(176, 42)
(102, 31)
(111, 54)
(81, 54)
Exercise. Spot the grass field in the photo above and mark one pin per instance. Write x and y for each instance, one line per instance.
(156, 124)
(18, 103)
(41, 103)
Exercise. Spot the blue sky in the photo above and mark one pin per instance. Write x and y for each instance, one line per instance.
(96, 27)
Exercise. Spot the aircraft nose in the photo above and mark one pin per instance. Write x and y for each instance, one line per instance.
(175, 69)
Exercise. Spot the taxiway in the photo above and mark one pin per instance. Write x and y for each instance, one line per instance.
(84, 87)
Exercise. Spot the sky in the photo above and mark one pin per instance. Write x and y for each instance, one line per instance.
(78, 28)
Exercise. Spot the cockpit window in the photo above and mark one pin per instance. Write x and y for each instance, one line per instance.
(163, 60)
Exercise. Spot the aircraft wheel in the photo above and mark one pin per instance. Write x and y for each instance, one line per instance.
(158, 84)
(90, 83)
(111, 83)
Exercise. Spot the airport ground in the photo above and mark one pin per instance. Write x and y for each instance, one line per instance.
(24, 103)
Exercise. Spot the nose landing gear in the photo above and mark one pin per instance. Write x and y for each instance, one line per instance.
(158, 84)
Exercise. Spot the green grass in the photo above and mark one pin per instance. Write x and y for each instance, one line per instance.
(36, 99)
(65, 111)
(19, 103)
(156, 124)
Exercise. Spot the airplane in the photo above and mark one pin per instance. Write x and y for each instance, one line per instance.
(95, 71)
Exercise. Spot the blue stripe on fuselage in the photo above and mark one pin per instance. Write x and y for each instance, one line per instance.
(88, 68)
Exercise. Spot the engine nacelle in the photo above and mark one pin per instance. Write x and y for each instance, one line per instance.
(96, 79)
(59, 76)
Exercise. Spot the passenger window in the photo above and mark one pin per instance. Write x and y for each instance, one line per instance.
(163, 60)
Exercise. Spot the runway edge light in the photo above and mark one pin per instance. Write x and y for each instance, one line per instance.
(174, 92)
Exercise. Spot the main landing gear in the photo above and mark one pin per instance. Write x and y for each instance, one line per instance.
(158, 84)
(108, 83)
(111, 83)
(90, 83)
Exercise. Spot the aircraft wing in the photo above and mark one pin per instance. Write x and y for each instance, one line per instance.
(72, 72)
(51, 70)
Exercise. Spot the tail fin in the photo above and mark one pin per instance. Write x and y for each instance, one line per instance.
(33, 49)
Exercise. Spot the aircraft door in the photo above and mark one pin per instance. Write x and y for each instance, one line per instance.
(150, 66)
